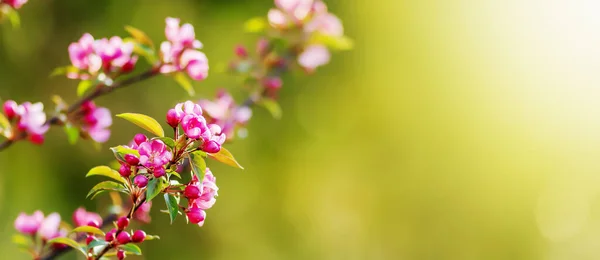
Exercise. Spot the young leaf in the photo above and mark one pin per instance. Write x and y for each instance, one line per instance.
(255, 25)
(184, 82)
(131, 248)
(4, 123)
(198, 165)
(167, 140)
(172, 206)
(72, 133)
(21, 240)
(272, 106)
(339, 43)
(155, 186)
(83, 87)
(14, 18)
(120, 152)
(151, 237)
(225, 157)
(88, 229)
(107, 172)
(67, 241)
(148, 123)
(106, 186)
(96, 243)
(145, 51)
(64, 70)
(139, 36)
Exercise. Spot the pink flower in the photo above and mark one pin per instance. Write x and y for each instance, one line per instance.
(49, 228)
(196, 215)
(224, 112)
(81, 217)
(194, 126)
(103, 55)
(32, 120)
(16, 4)
(326, 24)
(314, 56)
(96, 121)
(212, 143)
(188, 108)
(154, 154)
(143, 212)
(289, 12)
(180, 52)
(209, 191)
(29, 224)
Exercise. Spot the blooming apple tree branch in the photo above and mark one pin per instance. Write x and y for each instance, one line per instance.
(297, 34)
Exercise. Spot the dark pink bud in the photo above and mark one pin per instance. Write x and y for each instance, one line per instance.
(110, 235)
(241, 51)
(36, 139)
(89, 239)
(125, 170)
(159, 172)
(123, 238)
(128, 67)
(93, 223)
(173, 118)
(192, 192)
(121, 254)
(138, 236)
(10, 108)
(131, 159)
(262, 46)
(90, 119)
(140, 181)
(211, 147)
(122, 222)
(140, 138)
(196, 215)
(87, 107)
(273, 83)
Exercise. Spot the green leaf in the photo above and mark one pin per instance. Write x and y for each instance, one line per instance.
(255, 25)
(139, 36)
(198, 165)
(151, 237)
(167, 140)
(172, 206)
(155, 186)
(148, 123)
(72, 133)
(83, 87)
(67, 241)
(120, 152)
(272, 106)
(131, 248)
(184, 82)
(21, 240)
(88, 229)
(14, 18)
(4, 123)
(107, 172)
(107, 186)
(225, 157)
(339, 43)
(96, 243)
(64, 70)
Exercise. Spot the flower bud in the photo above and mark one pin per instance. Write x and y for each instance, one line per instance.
(196, 215)
(87, 106)
(110, 235)
(173, 118)
(120, 254)
(123, 238)
(122, 222)
(273, 83)
(192, 192)
(140, 181)
(36, 139)
(89, 239)
(131, 159)
(10, 108)
(241, 51)
(140, 138)
(211, 147)
(93, 223)
(125, 170)
(159, 172)
(138, 236)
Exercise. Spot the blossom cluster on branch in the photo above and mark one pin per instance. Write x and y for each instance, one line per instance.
(294, 35)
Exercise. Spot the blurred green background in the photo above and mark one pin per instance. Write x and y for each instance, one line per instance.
(455, 130)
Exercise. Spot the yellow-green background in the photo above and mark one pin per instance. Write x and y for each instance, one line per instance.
(454, 130)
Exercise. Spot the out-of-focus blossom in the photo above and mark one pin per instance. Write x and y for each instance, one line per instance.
(30, 120)
(314, 56)
(16, 4)
(326, 24)
(289, 12)
(209, 191)
(180, 52)
(224, 112)
(96, 121)
(201, 196)
(143, 212)
(154, 155)
(103, 55)
(81, 217)
(49, 228)
(27, 224)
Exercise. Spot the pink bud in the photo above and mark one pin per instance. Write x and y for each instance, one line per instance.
(140, 138)
(110, 235)
(122, 222)
(211, 147)
(196, 215)
(241, 51)
(10, 108)
(121, 254)
(93, 223)
(87, 106)
(192, 192)
(123, 238)
(140, 181)
(173, 118)
(273, 83)
(89, 239)
(138, 236)
(132, 159)
(125, 170)
(159, 172)
(36, 139)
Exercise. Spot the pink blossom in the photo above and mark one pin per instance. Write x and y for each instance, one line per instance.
(314, 56)
(16, 4)
(49, 228)
(81, 217)
(212, 143)
(27, 224)
(289, 12)
(195, 127)
(209, 191)
(96, 121)
(326, 24)
(180, 52)
(154, 154)
(143, 212)
(188, 108)
(224, 112)
(181, 35)
(32, 120)
(103, 55)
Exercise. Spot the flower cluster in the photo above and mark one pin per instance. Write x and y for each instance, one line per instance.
(180, 51)
(102, 58)
(15, 4)
(30, 121)
(224, 112)
(95, 121)
(152, 157)
(38, 226)
(195, 127)
(201, 196)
